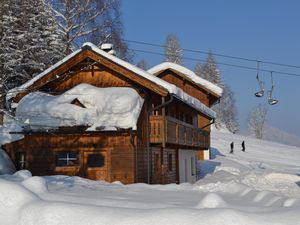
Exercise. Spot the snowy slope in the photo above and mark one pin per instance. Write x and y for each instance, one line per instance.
(259, 186)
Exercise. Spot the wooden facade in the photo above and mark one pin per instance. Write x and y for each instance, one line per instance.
(148, 154)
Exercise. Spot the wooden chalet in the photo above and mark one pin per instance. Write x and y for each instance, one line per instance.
(172, 128)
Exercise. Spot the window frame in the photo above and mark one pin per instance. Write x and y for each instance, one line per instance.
(67, 159)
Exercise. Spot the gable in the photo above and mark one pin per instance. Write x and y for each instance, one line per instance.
(71, 70)
(188, 86)
(188, 75)
(61, 76)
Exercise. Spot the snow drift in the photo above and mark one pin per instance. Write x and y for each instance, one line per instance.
(259, 186)
(102, 108)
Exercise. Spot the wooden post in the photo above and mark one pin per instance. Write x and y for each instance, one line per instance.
(163, 112)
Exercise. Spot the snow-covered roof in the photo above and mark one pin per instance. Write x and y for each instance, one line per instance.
(104, 108)
(186, 73)
(172, 89)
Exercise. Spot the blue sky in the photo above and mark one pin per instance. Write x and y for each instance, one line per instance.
(265, 30)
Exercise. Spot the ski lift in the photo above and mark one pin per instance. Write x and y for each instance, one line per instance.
(271, 101)
(260, 83)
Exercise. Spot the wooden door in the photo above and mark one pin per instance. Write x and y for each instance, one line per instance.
(95, 165)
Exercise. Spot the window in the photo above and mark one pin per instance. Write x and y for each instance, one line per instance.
(20, 160)
(67, 159)
(170, 162)
(156, 162)
(96, 160)
(193, 166)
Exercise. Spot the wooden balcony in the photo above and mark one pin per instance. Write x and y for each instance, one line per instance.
(177, 132)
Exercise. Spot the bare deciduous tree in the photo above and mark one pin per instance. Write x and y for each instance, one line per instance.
(256, 120)
(173, 51)
(97, 21)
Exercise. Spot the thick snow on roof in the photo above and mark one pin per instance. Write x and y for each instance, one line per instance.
(183, 71)
(105, 108)
(172, 89)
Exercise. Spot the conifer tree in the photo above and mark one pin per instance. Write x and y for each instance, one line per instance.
(198, 69)
(173, 51)
(226, 110)
(142, 64)
(30, 41)
(211, 71)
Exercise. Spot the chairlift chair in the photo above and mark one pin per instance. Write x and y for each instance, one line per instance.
(261, 85)
(271, 101)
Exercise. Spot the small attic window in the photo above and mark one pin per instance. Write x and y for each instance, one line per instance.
(77, 102)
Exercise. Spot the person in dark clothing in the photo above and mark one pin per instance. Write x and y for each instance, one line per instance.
(243, 146)
(231, 147)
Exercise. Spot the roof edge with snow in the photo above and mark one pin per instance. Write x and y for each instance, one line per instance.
(186, 73)
(170, 88)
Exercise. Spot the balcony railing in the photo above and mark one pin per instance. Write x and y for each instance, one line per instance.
(177, 132)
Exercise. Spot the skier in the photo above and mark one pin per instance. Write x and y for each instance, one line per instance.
(243, 146)
(231, 147)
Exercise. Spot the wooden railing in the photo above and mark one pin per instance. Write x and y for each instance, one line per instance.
(177, 132)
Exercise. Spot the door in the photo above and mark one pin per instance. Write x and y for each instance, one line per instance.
(187, 166)
(95, 165)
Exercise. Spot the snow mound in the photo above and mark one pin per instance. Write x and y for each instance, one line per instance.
(102, 108)
(12, 198)
(23, 174)
(212, 200)
(285, 184)
(231, 170)
(37, 185)
(6, 165)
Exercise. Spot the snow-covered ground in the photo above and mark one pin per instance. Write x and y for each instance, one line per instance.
(259, 186)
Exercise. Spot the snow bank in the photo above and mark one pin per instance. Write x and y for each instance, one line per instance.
(6, 165)
(13, 198)
(186, 73)
(104, 108)
(236, 191)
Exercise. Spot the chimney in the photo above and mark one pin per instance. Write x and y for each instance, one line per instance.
(108, 47)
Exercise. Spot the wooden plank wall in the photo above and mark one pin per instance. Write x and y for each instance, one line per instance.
(169, 173)
(141, 147)
(99, 76)
(190, 88)
(41, 148)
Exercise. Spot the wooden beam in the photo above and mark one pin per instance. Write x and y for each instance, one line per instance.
(81, 56)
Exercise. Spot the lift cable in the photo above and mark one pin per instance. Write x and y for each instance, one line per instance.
(217, 54)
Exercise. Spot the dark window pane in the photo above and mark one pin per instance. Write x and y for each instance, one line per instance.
(20, 160)
(170, 162)
(95, 160)
(67, 159)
